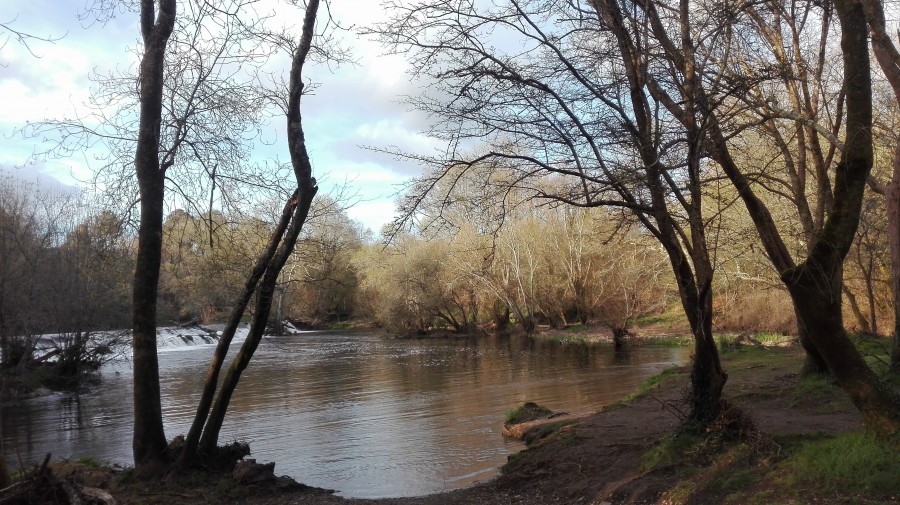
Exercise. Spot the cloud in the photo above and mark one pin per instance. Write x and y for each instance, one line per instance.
(355, 106)
(373, 215)
(38, 175)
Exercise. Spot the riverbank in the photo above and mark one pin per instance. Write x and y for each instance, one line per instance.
(790, 440)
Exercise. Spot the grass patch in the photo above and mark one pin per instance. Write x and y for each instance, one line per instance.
(770, 339)
(668, 341)
(654, 382)
(528, 411)
(89, 463)
(652, 319)
(575, 337)
(814, 385)
(855, 461)
(681, 493)
(671, 451)
(672, 315)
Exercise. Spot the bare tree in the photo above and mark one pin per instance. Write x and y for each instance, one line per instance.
(561, 93)
(888, 58)
(815, 284)
(202, 101)
(149, 442)
(204, 433)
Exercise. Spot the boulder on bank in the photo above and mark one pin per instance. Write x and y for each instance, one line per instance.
(527, 416)
(248, 471)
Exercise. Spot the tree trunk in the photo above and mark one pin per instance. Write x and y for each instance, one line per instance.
(279, 311)
(816, 284)
(189, 451)
(707, 376)
(149, 442)
(501, 317)
(265, 295)
(892, 203)
(619, 335)
(5, 479)
(864, 326)
(889, 59)
(693, 270)
(817, 300)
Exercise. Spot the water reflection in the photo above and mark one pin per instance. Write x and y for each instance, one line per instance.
(367, 416)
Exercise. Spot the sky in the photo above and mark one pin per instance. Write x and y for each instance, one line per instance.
(354, 106)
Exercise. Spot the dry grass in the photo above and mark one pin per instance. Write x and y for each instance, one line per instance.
(767, 311)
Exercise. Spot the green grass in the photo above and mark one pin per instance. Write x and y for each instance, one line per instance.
(815, 384)
(652, 383)
(89, 462)
(774, 339)
(652, 319)
(563, 338)
(671, 451)
(854, 461)
(669, 341)
(673, 314)
(528, 411)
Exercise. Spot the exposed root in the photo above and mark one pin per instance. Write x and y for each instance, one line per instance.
(42, 485)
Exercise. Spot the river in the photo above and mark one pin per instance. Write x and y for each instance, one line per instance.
(364, 415)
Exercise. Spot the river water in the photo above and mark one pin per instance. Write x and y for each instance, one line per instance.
(364, 415)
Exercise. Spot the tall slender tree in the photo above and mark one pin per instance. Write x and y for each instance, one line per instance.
(211, 418)
(149, 440)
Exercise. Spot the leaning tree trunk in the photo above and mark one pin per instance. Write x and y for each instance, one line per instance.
(189, 451)
(815, 290)
(694, 281)
(891, 192)
(265, 295)
(149, 442)
(306, 191)
(893, 210)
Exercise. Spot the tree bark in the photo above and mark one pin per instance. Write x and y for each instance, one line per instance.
(893, 209)
(149, 441)
(693, 274)
(619, 335)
